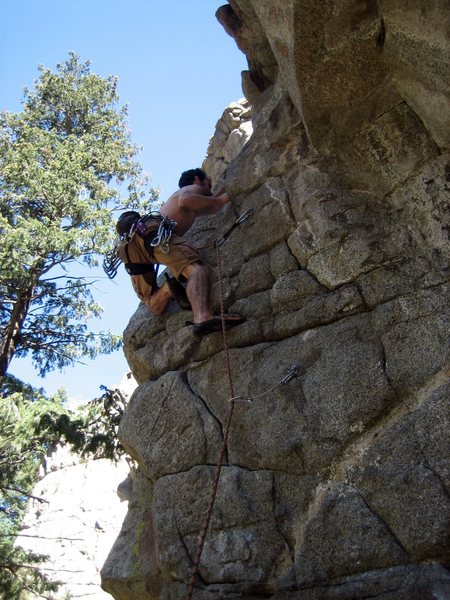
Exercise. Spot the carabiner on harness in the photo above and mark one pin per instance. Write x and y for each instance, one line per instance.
(164, 234)
(111, 263)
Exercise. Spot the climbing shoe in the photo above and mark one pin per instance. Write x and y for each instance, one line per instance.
(215, 324)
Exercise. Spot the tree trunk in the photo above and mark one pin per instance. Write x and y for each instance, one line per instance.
(12, 332)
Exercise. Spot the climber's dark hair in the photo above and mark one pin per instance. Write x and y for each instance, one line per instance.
(126, 220)
(187, 177)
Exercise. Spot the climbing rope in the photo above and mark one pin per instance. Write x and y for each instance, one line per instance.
(293, 372)
(207, 520)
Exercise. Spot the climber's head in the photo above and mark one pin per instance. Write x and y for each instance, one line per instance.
(197, 176)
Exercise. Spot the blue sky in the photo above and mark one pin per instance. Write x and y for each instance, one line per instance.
(177, 70)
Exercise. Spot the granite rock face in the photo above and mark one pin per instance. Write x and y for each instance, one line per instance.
(76, 523)
(233, 130)
(336, 484)
(75, 514)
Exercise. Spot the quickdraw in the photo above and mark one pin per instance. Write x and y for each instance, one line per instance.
(236, 224)
(294, 371)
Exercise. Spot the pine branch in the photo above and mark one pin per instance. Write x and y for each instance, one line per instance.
(41, 537)
(23, 493)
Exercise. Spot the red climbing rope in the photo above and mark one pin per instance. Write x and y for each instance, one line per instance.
(293, 372)
(207, 520)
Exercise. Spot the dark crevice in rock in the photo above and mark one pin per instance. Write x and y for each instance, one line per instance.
(294, 257)
(236, 588)
(185, 378)
(381, 35)
(411, 294)
(279, 527)
(379, 517)
(314, 325)
(231, 466)
(384, 368)
(322, 286)
(349, 281)
(221, 527)
(429, 467)
(182, 542)
(277, 470)
(366, 127)
(186, 471)
(273, 338)
(438, 477)
(399, 571)
(288, 205)
(357, 285)
(162, 408)
(418, 287)
(318, 497)
(330, 584)
(400, 185)
(382, 594)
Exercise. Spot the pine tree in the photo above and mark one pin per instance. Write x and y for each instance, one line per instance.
(63, 161)
(32, 425)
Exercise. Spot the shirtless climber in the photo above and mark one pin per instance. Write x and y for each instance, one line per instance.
(193, 199)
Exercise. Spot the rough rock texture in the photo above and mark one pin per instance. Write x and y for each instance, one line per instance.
(337, 484)
(76, 525)
(233, 130)
(78, 520)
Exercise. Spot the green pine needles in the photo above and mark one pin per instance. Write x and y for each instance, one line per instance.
(64, 161)
(32, 426)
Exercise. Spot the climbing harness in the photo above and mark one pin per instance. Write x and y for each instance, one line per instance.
(161, 238)
(294, 371)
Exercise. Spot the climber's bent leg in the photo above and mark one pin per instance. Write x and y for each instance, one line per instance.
(197, 291)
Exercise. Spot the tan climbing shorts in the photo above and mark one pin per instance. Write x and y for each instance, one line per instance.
(180, 256)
